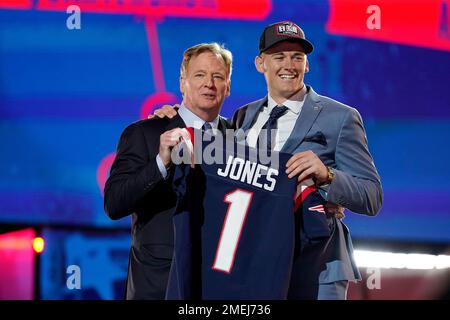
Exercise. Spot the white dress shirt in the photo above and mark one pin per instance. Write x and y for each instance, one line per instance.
(285, 123)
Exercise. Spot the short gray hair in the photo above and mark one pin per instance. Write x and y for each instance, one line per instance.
(213, 47)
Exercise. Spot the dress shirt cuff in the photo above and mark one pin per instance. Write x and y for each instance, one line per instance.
(161, 166)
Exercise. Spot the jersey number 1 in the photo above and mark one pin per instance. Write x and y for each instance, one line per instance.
(239, 203)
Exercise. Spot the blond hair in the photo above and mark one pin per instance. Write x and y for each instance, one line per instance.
(213, 47)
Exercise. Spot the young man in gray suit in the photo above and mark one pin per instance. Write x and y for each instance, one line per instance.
(329, 144)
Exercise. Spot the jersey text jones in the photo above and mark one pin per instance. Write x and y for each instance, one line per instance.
(253, 173)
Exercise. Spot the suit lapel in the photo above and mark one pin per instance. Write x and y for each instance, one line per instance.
(223, 125)
(310, 110)
(176, 122)
(251, 114)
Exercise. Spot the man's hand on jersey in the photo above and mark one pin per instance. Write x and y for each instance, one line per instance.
(335, 209)
(167, 141)
(165, 111)
(307, 163)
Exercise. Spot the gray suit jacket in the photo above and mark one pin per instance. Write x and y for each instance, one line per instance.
(335, 133)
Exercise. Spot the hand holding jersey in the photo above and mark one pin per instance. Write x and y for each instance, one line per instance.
(307, 164)
(167, 141)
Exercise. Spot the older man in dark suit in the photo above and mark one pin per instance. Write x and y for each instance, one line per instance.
(140, 182)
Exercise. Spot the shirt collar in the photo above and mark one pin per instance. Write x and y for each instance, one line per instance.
(193, 121)
(293, 105)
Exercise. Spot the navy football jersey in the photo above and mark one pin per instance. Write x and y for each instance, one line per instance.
(234, 225)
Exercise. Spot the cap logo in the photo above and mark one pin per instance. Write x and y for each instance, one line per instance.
(288, 30)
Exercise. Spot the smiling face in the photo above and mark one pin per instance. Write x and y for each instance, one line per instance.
(205, 84)
(284, 72)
